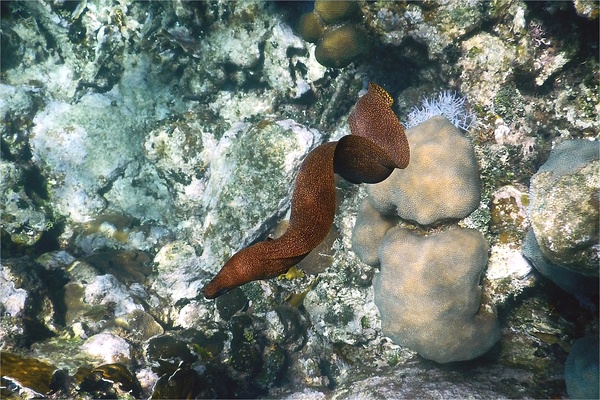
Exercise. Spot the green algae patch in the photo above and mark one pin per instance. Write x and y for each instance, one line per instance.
(27, 372)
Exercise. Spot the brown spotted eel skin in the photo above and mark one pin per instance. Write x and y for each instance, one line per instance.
(376, 146)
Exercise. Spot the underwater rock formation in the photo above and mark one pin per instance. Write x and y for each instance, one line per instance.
(508, 272)
(563, 241)
(564, 211)
(429, 293)
(22, 219)
(212, 98)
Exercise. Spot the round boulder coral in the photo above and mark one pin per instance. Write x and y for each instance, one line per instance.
(369, 229)
(331, 26)
(336, 11)
(429, 295)
(441, 181)
(311, 27)
(341, 46)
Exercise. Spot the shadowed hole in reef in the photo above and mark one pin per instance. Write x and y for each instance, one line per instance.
(43, 284)
(34, 184)
(56, 279)
(410, 58)
(49, 239)
(36, 331)
(328, 370)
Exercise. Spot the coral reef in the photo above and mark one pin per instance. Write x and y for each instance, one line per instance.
(331, 12)
(370, 227)
(376, 147)
(563, 241)
(341, 46)
(143, 144)
(23, 219)
(417, 294)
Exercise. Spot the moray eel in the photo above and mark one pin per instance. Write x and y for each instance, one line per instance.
(376, 146)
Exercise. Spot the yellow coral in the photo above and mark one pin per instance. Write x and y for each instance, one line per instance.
(336, 11)
(311, 27)
(341, 46)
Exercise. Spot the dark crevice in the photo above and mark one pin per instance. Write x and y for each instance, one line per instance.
(34, 183)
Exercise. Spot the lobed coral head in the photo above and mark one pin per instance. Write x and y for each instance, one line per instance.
(341, 46)
(336, 11)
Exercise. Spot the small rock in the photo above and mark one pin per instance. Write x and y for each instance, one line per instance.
(108, 347)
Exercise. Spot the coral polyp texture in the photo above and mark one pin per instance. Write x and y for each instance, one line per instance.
(369, 229)
(336, 11)
(331, 25)
(428, 291)
(341, 46)
(311, 27)
(442, 181)
(429, 295)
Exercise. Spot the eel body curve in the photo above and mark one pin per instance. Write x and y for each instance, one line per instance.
(377, 145)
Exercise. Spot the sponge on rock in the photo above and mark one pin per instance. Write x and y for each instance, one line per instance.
(441, 182)
(429, 296)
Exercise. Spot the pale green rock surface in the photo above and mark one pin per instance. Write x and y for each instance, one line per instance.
(564, 210)
(87, 147)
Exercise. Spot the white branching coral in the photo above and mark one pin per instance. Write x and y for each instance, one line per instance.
(447, 103)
